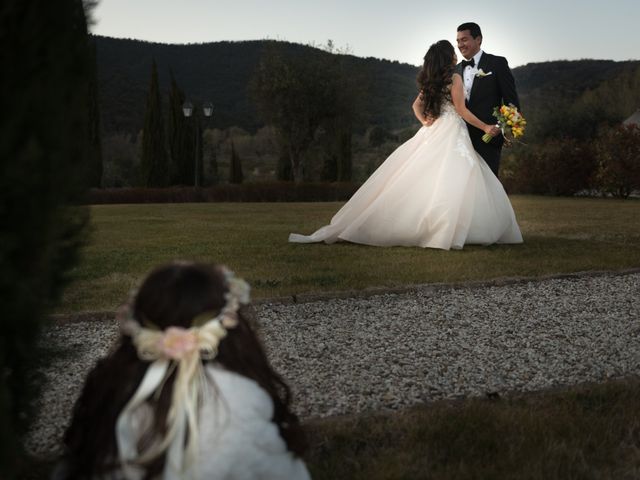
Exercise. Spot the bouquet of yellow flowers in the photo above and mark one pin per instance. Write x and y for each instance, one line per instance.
(510, 121)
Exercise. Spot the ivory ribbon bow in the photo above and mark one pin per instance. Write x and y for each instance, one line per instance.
(174, 348)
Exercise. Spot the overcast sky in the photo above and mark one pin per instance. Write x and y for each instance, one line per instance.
(523, 30)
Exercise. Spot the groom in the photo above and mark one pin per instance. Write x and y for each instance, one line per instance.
(488, 83)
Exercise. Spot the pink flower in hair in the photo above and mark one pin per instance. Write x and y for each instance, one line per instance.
(177, 342)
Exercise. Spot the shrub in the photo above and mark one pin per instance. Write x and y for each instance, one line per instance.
(121, 161)
(250, 192)
(235, 170)
(557, 167)
(377, 135)
(407, 133)
(618, 153)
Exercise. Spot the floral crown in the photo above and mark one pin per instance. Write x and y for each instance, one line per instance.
(205, 334)
(182, 350)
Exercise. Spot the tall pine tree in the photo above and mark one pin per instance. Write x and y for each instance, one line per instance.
(213, 167)
(44, 145)
(338, 160)
(95, 168)
(155, 163)
(179, 140)
(235, 167)
(343, 96)
(199, 151)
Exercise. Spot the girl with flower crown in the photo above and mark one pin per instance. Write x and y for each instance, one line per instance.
(188, 392)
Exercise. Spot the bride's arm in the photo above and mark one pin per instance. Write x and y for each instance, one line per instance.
(457, 96)
(418, 111)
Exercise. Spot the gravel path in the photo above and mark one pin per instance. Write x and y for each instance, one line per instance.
(395, 350)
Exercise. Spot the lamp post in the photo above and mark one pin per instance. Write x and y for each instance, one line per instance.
(188, 111)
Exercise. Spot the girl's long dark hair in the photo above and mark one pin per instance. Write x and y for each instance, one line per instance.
(435, 77)
(171, 295)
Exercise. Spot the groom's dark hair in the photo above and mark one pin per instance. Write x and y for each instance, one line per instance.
(474, 29)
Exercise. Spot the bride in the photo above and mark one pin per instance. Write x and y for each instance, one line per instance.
(433, 191)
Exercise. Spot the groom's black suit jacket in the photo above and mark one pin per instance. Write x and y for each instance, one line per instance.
(489, 92)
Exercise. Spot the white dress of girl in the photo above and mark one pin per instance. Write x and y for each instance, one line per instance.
(236, 438)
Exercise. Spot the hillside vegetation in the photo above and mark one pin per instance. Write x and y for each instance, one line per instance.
(220, 72)
(574, 142)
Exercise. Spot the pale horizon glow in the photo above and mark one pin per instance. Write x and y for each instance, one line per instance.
(527, 32)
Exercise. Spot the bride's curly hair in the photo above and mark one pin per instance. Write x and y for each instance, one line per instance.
(435, 77)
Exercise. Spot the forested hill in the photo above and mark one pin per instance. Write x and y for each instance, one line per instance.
(220, 72)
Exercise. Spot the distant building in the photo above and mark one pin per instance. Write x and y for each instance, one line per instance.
(633, 119)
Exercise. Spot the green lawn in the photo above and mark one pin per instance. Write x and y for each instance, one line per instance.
(586, 432)
(561, 235)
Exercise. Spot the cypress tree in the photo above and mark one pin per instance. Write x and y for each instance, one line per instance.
(95, 168)
(185, 140)
(283, 168)
(199, 150)
(338, 159)
(154, 165)
(345, 154)
(44, 152)
(190, 146)
(213, 162)
(181, 164)
(341, 99)
(235, 168)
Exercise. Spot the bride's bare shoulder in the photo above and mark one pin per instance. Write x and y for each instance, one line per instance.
(456, 79)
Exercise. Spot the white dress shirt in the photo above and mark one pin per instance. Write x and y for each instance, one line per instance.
(469, 75)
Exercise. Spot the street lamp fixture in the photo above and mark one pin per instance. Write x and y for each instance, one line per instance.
(188, 111)
(207, 109)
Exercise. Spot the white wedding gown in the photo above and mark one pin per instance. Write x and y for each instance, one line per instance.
(433, 191)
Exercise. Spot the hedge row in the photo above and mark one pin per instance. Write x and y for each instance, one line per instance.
(249, 192)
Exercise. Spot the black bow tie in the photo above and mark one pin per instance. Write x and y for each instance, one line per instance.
(468, 63)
